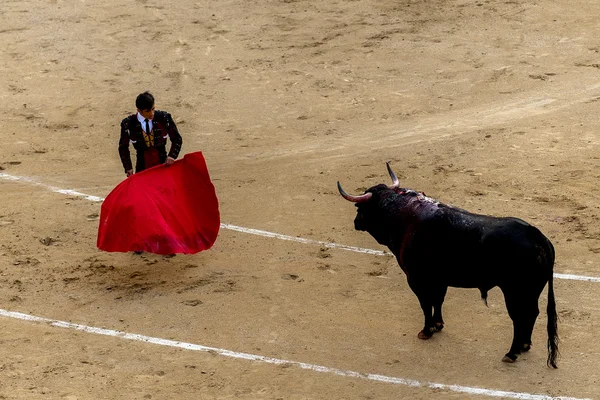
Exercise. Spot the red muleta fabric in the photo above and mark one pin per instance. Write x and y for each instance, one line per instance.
(162, 210)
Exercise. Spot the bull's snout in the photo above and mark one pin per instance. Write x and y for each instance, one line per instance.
(359, 224)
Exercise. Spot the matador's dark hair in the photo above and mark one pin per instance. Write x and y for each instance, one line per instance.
(144, 101)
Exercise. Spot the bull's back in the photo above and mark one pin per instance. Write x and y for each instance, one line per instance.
(461, 249)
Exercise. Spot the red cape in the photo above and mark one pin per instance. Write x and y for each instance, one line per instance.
(162, 210)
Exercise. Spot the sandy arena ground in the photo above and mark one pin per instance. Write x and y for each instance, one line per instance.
(487, 105)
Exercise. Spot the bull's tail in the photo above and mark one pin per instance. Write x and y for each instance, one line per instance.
(553, 339)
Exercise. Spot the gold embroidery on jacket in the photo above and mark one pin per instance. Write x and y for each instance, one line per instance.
(148, 138)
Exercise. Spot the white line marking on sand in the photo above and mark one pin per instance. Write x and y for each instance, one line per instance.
(51, 188)
(577, 277)
(259, 232)
(302, 240)
(277, 361)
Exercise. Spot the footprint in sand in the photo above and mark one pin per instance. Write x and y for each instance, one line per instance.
(93, 217)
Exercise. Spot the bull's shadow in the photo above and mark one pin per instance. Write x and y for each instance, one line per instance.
(438, 246)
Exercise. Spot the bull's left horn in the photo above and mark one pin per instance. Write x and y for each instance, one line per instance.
(395, 181)
(354, 199)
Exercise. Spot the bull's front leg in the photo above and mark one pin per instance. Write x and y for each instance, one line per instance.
(429, 327)
(426, 302)
(438, 297)
(430, 297)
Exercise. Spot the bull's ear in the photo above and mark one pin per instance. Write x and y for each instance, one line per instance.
(354, 199)
(395, 181)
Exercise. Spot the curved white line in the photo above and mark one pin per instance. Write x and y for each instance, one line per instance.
(278, 361)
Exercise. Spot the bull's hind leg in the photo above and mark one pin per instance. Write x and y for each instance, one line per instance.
(530, 312)
(522, 305)
(514, 304)
(528, 325)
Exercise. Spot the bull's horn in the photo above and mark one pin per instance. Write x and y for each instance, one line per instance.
(354, 199)
(395, 180)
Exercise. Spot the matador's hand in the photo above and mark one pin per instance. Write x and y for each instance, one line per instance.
(129, 173)
(170, 160)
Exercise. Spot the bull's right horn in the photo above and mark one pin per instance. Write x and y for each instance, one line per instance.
(395, 181)
(354, 199)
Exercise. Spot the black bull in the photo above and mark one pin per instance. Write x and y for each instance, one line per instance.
(438, 246)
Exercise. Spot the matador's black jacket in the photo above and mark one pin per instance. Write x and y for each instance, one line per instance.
(163, 127)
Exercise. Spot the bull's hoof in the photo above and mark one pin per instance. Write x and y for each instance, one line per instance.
(438, 326)
(509, 358)
(425, 334)
(526, 347)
